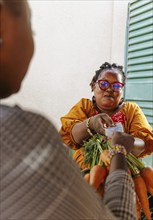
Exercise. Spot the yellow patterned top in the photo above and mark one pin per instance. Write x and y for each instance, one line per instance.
(135, 123)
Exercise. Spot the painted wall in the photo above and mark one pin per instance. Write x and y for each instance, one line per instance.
(72, 39)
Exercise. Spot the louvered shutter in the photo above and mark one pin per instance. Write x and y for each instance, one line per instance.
(139, 57)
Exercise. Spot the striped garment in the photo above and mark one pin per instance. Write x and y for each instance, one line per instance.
(38, 180)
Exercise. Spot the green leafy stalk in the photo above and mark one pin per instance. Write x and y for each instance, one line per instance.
(134, 169)
(135, 161)
(93, 148)
(97, 144)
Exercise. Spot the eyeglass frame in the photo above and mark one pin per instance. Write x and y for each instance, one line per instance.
(110, 84)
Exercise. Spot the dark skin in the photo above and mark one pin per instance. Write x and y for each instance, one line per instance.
(118, 161)
(108, 102)
(13, 66)
(79, 130)
(17, 37)
(17, 48)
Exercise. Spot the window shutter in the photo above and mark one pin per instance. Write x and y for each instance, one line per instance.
(139, 58)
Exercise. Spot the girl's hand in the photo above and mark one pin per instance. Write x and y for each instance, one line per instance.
(124, 139)
(99, 122)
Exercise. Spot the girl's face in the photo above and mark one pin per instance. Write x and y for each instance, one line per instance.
(108, 99)
(16, 50)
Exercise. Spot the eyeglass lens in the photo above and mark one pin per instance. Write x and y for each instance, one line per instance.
(105, 85)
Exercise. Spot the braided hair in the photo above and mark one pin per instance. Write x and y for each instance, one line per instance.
(107, 66)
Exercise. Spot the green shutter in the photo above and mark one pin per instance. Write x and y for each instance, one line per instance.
(139, 57)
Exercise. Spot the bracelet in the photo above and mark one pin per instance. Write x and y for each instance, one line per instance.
(117, 149)
(88, 127)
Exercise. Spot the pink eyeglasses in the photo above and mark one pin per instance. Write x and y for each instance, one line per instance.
(116, 86)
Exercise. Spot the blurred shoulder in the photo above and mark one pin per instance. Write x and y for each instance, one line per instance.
(14, 118)
(15, 112)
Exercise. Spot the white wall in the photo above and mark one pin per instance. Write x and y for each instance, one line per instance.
(72, 39)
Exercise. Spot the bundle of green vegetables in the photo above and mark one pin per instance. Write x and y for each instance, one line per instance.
(142, 176)
(93, 148)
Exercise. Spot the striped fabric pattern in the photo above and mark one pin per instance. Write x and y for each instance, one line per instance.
(38, 180)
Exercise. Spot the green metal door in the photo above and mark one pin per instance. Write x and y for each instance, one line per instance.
(139, 58)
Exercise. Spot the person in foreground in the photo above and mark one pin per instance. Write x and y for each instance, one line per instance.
(38, 180)
(107, 108)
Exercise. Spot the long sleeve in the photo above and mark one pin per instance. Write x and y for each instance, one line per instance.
(137, 125)
(78, 113)
(38, 179)
(120, 195)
